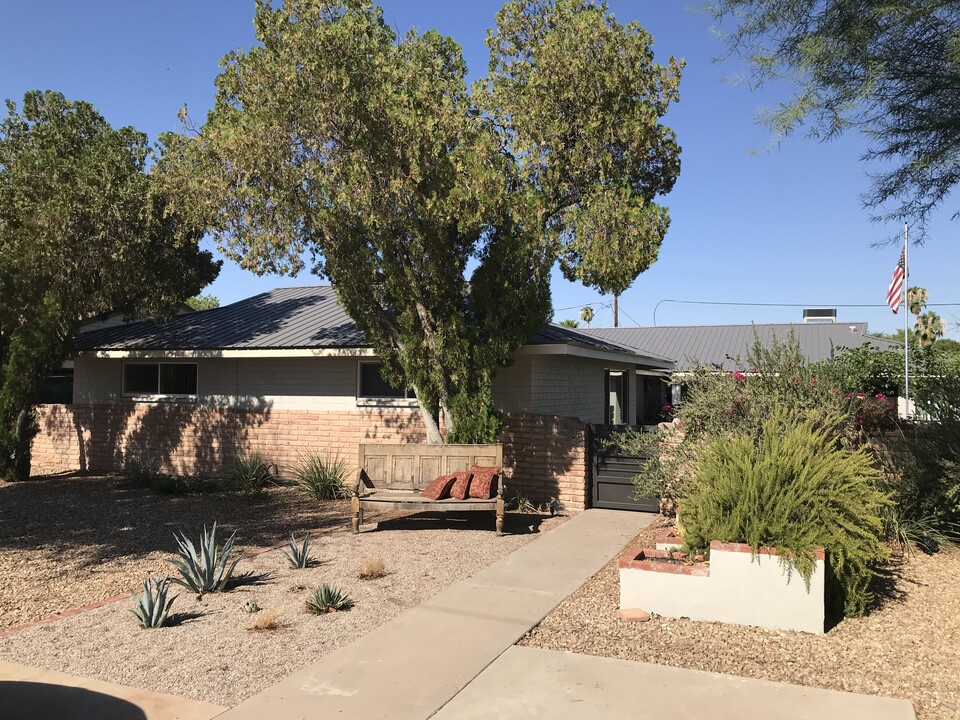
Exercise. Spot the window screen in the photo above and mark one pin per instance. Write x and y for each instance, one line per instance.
(178, 379)
(372, 384)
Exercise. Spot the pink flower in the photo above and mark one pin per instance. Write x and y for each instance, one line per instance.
(880, 396)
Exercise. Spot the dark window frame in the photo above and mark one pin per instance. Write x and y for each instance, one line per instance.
(159, 386)
(407, 395)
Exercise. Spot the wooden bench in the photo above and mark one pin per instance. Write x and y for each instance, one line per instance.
(391, 478)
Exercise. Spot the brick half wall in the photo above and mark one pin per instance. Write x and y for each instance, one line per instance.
(544, 457)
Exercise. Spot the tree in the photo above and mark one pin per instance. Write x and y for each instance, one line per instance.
(929, 327)
(337, 143)
(83, 231)
(203, 302)
(917, 298)
(570, 323)
(890, 70)
(586, 314)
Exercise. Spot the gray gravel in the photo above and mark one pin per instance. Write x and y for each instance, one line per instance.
(211, 655)
(909, 647)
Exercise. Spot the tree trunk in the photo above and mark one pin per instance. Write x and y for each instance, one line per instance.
(22, 438)
(616, 311)
(434, 437)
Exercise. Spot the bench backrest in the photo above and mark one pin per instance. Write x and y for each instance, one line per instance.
(405, 466)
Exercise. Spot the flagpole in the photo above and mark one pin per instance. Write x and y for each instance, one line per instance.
(906, 328)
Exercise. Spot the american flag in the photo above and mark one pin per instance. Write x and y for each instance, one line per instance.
(895, 291)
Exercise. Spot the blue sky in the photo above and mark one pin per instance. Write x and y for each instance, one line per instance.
(785, 226)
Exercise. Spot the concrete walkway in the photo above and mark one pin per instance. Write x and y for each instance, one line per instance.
(410, 667)
(532, 683)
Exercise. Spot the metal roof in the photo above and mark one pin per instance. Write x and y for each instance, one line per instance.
(296, 317)
(723, 344)
(554, 333)
(282, 319)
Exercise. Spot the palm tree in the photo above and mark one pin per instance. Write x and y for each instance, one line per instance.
(917, 299)
(586, 314)
(929, 327)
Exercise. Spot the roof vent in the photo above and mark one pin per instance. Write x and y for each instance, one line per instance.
(819, 315)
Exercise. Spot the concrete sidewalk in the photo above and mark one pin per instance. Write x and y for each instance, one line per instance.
(533, 683)
(410, 667)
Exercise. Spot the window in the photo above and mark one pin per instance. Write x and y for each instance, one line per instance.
(372, 384)
(616, 392)
(159, 379)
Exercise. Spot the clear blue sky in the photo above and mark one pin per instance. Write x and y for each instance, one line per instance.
(782, 227)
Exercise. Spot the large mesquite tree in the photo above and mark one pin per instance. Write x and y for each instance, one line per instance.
(83, 231)
(437, 210)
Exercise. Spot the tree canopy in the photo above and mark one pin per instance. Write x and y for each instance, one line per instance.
(890, 70)
(437, 210)
(203, 302)
(83, 231)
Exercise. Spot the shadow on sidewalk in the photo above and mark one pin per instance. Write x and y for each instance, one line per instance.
(29, 701)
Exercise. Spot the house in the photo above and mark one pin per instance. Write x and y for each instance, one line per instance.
(287, 372)
(725, 347)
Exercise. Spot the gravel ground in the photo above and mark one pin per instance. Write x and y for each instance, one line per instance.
(210, 654)
(908, 648)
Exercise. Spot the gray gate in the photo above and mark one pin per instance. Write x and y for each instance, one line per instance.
(613, 474)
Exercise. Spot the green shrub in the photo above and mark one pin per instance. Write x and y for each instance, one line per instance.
(794, 489)
(323, 476)
(152, 607)
(249, 474)
(208, 571)
(475, 418)
(328, 599)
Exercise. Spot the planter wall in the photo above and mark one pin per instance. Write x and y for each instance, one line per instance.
(735, 587)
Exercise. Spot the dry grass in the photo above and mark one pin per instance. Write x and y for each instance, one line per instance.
(372, 569)
(267, 620)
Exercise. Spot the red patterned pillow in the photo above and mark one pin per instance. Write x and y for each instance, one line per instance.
(484, 484)
(461, 485)
(439, 488)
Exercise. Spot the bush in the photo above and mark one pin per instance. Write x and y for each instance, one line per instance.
(323, 476)
(794, 489)
(249, 474)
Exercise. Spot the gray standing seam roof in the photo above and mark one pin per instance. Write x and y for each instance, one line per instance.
(285, 318)
(296, 317)
(723, 344)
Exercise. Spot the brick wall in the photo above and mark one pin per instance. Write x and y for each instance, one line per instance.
(546, 457)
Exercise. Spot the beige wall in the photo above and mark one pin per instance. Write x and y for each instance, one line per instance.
(554, 385)
(560, 385)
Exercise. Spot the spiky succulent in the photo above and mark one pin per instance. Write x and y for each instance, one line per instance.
(327, 599)
(298, 555)
(251, 606)
(152, 607)
(209, 570)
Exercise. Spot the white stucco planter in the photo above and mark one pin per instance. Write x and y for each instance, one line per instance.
(736, 586)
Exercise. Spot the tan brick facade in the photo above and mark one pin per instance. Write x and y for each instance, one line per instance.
(546, 457)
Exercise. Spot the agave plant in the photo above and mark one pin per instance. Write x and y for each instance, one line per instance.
(299, 554)
(251, 607)
(208, 571)
(328, 599)
(151, 608)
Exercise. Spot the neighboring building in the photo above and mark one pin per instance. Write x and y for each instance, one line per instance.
(288, 372)
(725, 347)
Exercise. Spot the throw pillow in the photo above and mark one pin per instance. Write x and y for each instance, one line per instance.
(439, 488)
(461, 485)
(484, 483)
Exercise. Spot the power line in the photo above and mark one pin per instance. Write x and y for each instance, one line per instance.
(791, 305)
